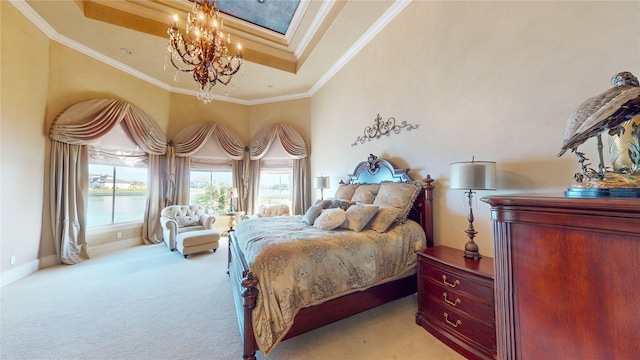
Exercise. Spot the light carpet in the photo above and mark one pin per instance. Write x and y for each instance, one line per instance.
(149, 303)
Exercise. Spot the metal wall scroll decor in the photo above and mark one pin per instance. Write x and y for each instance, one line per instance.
(382, 128)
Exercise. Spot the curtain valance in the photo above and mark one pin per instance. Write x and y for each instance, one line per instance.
(85, 122)
(192, 138)
(290, 138)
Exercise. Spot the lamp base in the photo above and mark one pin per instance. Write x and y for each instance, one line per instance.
(471, 250)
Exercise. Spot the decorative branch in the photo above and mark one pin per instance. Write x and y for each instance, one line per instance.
(382, 128)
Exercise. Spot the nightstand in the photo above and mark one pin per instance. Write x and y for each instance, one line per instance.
(456, 301)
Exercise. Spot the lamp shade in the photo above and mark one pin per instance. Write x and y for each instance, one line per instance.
(321, 182)
(473, 175)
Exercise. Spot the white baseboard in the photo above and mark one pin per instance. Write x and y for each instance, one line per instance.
(100, 250)
(19, 272)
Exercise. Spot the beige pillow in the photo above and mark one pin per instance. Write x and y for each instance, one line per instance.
(312, 214)
(322, 203)
(345, 191)
(384, 217)
(366, 193)
(188, 220)
(358, 216)
(400, 195)
(330, 219)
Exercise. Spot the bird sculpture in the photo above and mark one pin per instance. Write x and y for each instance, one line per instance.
(607, 111)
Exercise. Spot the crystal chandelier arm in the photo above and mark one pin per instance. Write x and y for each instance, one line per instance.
(179, 49)
(178, 67)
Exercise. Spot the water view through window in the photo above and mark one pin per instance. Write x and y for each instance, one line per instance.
(117, 194)
(275, 188)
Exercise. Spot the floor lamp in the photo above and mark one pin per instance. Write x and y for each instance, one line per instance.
(472, 175)
(321, 182)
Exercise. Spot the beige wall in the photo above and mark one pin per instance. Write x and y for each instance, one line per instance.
(56, 78)
(495, 80)
(293, 112)
(76, 77)
(23, 103)
(187, 109)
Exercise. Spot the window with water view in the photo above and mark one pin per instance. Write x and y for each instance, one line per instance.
(117, 194)
(275, 187)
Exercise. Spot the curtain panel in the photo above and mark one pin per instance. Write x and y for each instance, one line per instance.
(294, 145)
(186, 144)
(69, 179)
(81, 125)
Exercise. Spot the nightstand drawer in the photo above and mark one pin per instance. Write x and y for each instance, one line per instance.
(459, 324)
(457, 280)
(461, 288)
(449, 298)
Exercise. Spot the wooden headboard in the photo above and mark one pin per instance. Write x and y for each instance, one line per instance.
(375, 170)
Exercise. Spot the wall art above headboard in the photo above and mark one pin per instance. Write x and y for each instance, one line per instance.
(382, 128)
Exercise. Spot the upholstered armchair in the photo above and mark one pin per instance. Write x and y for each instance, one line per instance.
(178, 219)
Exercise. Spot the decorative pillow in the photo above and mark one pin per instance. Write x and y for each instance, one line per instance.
(339, 203)
(366, 193)
(330, 219)
(311, 214)
(358, 216)
(400, 195)
(345, 191)
(383, 219)
(188, 220)
(322, 203)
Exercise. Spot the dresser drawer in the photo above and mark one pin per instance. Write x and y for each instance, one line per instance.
(460, 325)
(450, 298)
(458, 280)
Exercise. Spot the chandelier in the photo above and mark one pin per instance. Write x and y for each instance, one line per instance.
(203, 50)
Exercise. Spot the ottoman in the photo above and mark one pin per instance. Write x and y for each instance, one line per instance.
(195, 241)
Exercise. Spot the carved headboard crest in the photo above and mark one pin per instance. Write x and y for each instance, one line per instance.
(376, 170)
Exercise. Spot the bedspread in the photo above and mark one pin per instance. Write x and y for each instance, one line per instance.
(298, 266)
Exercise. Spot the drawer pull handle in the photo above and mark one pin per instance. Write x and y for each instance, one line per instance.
(453, 303)
(454, 324)
(455, 283)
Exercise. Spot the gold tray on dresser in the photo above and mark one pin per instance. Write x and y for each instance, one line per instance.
(456, 301)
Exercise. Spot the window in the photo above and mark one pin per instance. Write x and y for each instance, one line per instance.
(211, 189)
(275, 186)
(117, 194)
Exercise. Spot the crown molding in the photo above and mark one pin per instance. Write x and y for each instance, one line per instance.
(109, 61)
(315, 25)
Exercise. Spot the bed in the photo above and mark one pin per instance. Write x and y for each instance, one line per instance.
(289, 277)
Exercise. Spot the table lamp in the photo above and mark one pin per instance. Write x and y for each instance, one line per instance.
(321, 182)
(472, 175)
(233, 194)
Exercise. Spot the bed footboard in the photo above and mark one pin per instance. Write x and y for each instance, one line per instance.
(245, 294)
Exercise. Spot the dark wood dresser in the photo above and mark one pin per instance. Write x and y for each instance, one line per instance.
(455, 301)
(567, 272)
